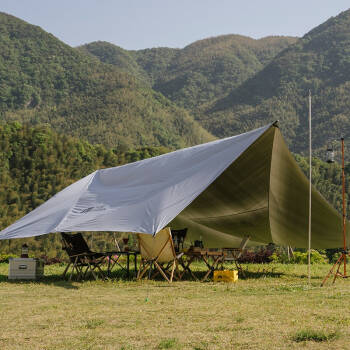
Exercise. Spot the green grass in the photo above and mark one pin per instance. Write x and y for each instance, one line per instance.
(273, 308)
(314, 335)
(167, 344)
(92, 324)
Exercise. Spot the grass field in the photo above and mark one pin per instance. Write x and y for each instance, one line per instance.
(272, 309)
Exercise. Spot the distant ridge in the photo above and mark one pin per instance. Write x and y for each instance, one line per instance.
(43, 80)
(198, 73)
(319, 61)
(217, 86)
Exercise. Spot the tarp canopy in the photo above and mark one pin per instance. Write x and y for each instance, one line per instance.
(223, 190)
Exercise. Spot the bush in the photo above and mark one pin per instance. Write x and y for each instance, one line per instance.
(331, 254)
(260, 256)
(51, 261)
(315, 258)
(4, 258)
(281, 258)
(298, 257)
(336, 256)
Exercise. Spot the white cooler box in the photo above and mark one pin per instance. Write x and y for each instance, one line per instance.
(26, 268)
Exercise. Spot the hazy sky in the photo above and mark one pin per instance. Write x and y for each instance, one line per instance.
(137, 24)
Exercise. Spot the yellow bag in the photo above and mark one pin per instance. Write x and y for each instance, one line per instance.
(225, 276)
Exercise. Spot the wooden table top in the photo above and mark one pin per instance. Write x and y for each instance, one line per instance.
(204, 251)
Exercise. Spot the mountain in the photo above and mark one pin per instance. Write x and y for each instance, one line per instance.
(232, 84)
(43, 80)
(201, 72)
(117, 56)
(319, 61)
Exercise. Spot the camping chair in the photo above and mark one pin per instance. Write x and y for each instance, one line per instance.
(81, 257)
(158, 251)
(178, 239)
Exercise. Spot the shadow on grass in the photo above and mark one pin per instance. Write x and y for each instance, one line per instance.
(247, 275)
(261, 274)
(55, 280)
(53, 276)
(121, 274)
(304, 276)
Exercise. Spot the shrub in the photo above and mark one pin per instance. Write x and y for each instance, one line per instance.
(4, 258)
(315, 258)
(260, 256)
(280, 257)
(336, 256)
(51, 261)
(332, 254)
(299, 257)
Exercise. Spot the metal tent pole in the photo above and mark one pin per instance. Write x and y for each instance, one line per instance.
(310, 188)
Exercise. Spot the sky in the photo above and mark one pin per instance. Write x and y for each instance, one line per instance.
(139, 24)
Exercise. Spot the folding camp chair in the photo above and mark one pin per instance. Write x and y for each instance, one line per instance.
(179, 239)
(158, 251)
(81, 258)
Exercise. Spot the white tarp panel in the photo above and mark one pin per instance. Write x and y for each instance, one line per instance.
(139, 197)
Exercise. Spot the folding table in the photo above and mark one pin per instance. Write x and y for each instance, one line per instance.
(114, 259)
(212, 260)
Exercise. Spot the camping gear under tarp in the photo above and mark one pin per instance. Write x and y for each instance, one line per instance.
(158, 254)
(81, 257)
(225, 190)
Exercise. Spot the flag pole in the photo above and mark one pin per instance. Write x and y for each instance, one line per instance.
(310, 188)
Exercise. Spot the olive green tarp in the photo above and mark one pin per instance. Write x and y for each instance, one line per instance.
(264, 195)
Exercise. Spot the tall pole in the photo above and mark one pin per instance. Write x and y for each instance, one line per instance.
(343, 192)
(310, 187)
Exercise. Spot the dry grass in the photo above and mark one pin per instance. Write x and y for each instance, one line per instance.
(272, 309)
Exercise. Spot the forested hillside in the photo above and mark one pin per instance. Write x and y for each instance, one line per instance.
(124, 60)
(43, 80)
(233, 84)
(201, 72)
(320, 61)
(207, 69)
